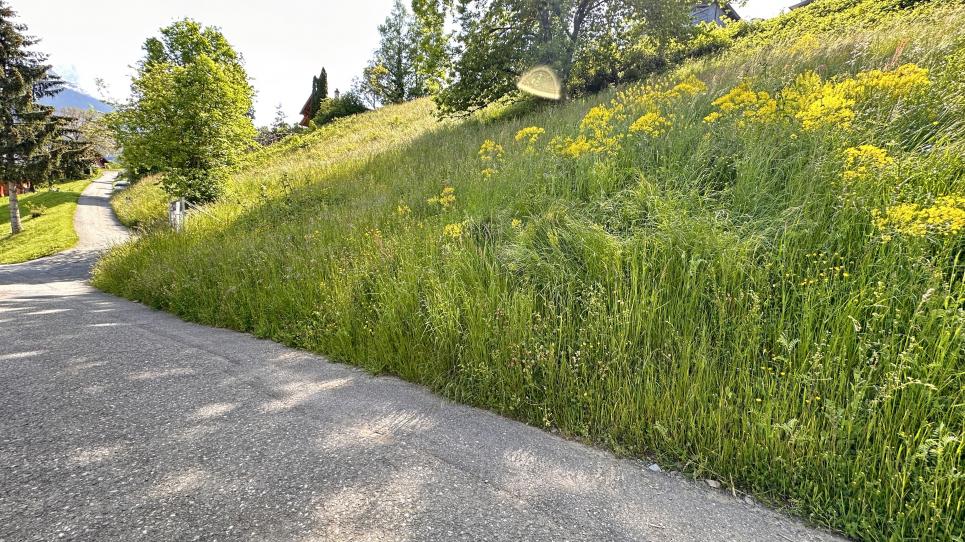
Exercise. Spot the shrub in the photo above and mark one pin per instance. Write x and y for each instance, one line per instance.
(343, 106)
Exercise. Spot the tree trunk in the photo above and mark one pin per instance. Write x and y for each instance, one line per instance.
(14, 207)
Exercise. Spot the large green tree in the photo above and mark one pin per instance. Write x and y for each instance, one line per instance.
(393, 74)
(583, 41)
(28, 130)
(189, 115)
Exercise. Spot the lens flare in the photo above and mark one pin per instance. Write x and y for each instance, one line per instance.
(541, 81)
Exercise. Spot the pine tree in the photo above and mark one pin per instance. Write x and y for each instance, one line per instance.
(28, 131)
(319, 92)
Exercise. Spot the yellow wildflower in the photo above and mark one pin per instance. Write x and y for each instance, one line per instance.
(453, 231)
(445, 199)
(530, 134)
(490, 151)
(652, 124)
(403, 210)
(744, 101)
(863, 161)
(946, 216)
(805, 44)
(690, 86)
(903, 81)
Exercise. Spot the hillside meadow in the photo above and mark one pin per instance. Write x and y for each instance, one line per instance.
(749, 268)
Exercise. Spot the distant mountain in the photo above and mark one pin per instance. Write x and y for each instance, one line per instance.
(73, 97)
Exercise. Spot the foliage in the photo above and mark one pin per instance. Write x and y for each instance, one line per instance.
(433, 57)
(50, 232)
(28, 130)
(188, 115)
(345, 105)
(319, 93)
(732, 297)
(590, 43)
(279, 129)
(392, 75)
(90, 137)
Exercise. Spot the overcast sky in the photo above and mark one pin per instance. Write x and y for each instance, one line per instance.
(284, 42)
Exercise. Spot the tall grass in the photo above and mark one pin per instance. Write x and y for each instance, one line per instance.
(716, 295)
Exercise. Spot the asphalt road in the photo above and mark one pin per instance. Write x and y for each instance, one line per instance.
(118, 422)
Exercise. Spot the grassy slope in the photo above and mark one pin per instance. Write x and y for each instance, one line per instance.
(141, 204)
(48, 234)
(294, 162)
(716, 295)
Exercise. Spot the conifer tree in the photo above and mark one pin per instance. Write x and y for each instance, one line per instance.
(319, 92)
(28, 131)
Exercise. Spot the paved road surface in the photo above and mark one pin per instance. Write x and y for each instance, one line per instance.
(118, 422)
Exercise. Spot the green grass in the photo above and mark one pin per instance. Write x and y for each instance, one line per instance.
(717, 297)
(141, 205)
(47, 234)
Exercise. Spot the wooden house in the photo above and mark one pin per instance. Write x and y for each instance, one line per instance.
(23, 187)
(713, 12)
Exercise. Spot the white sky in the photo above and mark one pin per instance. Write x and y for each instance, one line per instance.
(284, 42)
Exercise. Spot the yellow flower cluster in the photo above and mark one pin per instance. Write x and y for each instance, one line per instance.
(652, 124)
(648, 97)
(453, 231)
(903, 81)
(946, 216)
(490, 153)
(403, 210)
(690, 86)
(863, 161)
(745, 102)
(816, 103)
(445, 199)
(596, 134)
(829, 107)
(530, 134)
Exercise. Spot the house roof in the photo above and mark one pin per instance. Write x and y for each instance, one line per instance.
(711, 11)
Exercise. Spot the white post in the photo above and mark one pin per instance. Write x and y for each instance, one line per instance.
(176, 212)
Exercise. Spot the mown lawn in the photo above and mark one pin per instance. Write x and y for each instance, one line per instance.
(749, 269)
(50, 233)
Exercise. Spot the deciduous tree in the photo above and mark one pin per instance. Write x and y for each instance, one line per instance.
(498, 40)
(393, 74)
(189, 112)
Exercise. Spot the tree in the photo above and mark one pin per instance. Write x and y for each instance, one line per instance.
(393, 74)
(85, 137)
(338, 107)
(27, 130)
(498, 40)
(188, 117)
(433, 58)
(278, 130)
(319, 93)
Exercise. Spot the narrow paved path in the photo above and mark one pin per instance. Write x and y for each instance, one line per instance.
(118, 422)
